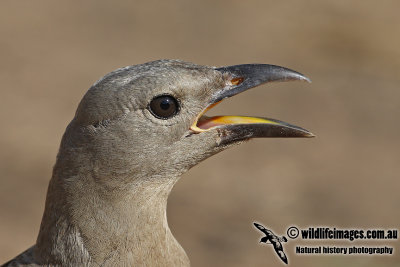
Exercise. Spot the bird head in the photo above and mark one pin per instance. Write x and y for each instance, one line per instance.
(147, 121)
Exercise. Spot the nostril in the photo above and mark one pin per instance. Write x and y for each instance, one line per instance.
(237, 81)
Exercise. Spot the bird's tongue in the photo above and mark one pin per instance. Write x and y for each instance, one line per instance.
(208, 122)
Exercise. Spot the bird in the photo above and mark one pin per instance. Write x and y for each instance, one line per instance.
(275, 240)
(134, 133)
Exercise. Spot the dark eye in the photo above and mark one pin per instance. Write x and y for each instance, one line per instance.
(164, 106)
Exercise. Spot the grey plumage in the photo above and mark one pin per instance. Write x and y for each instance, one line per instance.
(117, 163)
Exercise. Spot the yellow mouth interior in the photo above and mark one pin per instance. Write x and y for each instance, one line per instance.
(204, 123)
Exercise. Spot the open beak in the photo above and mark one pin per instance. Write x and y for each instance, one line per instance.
(239, 79)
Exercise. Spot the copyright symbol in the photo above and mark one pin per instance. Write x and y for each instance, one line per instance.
(292, 232)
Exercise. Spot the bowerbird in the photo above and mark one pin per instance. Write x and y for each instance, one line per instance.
(135, 132)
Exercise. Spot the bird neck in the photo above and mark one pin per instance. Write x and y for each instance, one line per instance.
(86, 223)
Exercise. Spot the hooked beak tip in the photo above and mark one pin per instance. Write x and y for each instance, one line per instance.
(304, 78)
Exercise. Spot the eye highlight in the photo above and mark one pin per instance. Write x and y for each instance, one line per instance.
(164, 107)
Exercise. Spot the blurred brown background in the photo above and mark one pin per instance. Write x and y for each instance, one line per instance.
(51, 52)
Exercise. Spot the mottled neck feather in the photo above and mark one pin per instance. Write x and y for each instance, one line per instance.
(84, 223)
